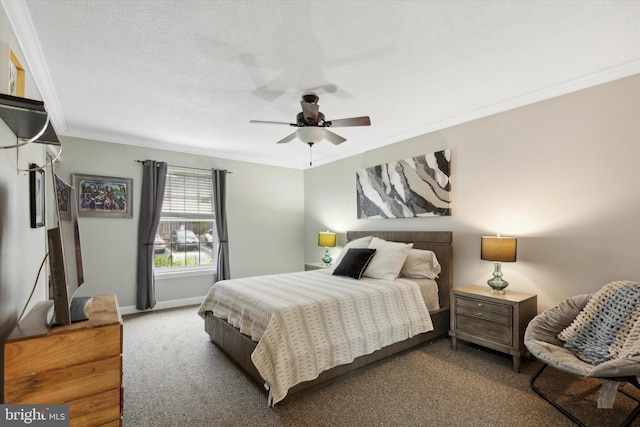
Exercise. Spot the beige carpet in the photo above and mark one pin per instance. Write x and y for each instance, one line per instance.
(175, 376)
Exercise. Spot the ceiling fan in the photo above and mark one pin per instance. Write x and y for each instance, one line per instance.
(312, 126)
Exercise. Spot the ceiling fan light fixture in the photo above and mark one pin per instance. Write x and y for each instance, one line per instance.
(310, 134)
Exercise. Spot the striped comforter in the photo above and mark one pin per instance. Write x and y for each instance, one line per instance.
(308, 322)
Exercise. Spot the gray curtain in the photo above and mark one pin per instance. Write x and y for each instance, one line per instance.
(154, 178)
(220, 211)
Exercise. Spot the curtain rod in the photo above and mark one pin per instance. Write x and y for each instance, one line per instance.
(184, 167)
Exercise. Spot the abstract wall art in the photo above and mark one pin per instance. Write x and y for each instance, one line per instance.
(414, 187)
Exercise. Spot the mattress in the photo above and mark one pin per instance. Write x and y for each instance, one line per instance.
(428, 290)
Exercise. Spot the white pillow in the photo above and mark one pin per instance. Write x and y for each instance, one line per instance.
(388, 260)
(421, 264)
(362, 242)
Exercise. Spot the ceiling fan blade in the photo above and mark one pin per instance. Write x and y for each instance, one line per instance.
(333, 137)
(328, 88)
(310, 111)
(271, 123)
(353, 121)
(287, 139)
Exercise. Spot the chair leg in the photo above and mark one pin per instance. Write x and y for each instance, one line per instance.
(634, 382)
(555, 405)
(636, 411)
(632, 416)
(627, 421)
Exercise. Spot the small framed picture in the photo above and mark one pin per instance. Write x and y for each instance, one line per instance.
(36, 195)
(12, 74)
(104, 196)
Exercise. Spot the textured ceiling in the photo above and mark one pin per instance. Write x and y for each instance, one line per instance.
(189, 75)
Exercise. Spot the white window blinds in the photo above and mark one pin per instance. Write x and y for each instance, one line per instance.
(188, 194)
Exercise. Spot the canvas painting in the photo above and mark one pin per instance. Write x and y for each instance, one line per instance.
(104, 196)
(63, 197)
(414, 187)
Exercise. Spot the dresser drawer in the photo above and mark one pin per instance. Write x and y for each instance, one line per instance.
(25, 357)
(71, 383)
(96, 409)
(485, 328)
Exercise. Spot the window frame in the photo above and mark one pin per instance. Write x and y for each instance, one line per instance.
(188, 202)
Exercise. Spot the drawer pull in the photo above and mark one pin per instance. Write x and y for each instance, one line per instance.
(479, 314)
(479, 304)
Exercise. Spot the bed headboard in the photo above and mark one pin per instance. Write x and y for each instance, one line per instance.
(437, 241)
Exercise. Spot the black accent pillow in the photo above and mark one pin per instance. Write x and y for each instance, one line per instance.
(354, 262)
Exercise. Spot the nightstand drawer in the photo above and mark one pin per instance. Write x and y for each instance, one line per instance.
(484, 313)
(483, 305)
(492, 330)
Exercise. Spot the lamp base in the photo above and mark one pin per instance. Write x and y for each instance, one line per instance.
(326, 260)
(496, 284)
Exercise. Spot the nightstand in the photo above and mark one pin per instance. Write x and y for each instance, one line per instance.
(491, 320)
(316, 266)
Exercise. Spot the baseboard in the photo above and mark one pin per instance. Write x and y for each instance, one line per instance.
(161, 305)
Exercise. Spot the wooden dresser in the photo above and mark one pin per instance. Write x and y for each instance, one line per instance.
(495, 321)
(78, 364)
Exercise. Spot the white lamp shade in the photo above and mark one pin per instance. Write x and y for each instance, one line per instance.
(310, 134)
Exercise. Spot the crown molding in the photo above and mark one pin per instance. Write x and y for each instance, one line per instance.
(20, 19)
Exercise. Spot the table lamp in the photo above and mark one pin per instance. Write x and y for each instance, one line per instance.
(498, 249)
(328, 240)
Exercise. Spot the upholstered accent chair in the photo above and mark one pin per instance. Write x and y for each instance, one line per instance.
(541, 338)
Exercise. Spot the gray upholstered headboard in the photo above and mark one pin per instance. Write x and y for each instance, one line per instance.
(437, 241)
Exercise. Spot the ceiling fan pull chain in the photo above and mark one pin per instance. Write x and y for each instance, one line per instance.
(310, 159)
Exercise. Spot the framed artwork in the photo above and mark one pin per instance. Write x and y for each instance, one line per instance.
(36, 195)
(104, 196)
(410, 188)
(16, 76)
(63, 198)
(12, 74)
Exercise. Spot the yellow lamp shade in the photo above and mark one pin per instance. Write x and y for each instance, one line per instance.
(326, 239)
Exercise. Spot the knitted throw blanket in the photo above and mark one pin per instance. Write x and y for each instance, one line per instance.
(609, 325)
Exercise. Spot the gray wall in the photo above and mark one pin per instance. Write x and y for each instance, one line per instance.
(561, 175)
(264, 210)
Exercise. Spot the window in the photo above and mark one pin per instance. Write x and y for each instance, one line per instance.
(186, 232)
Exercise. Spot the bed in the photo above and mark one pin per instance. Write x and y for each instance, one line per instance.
(224, 329)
